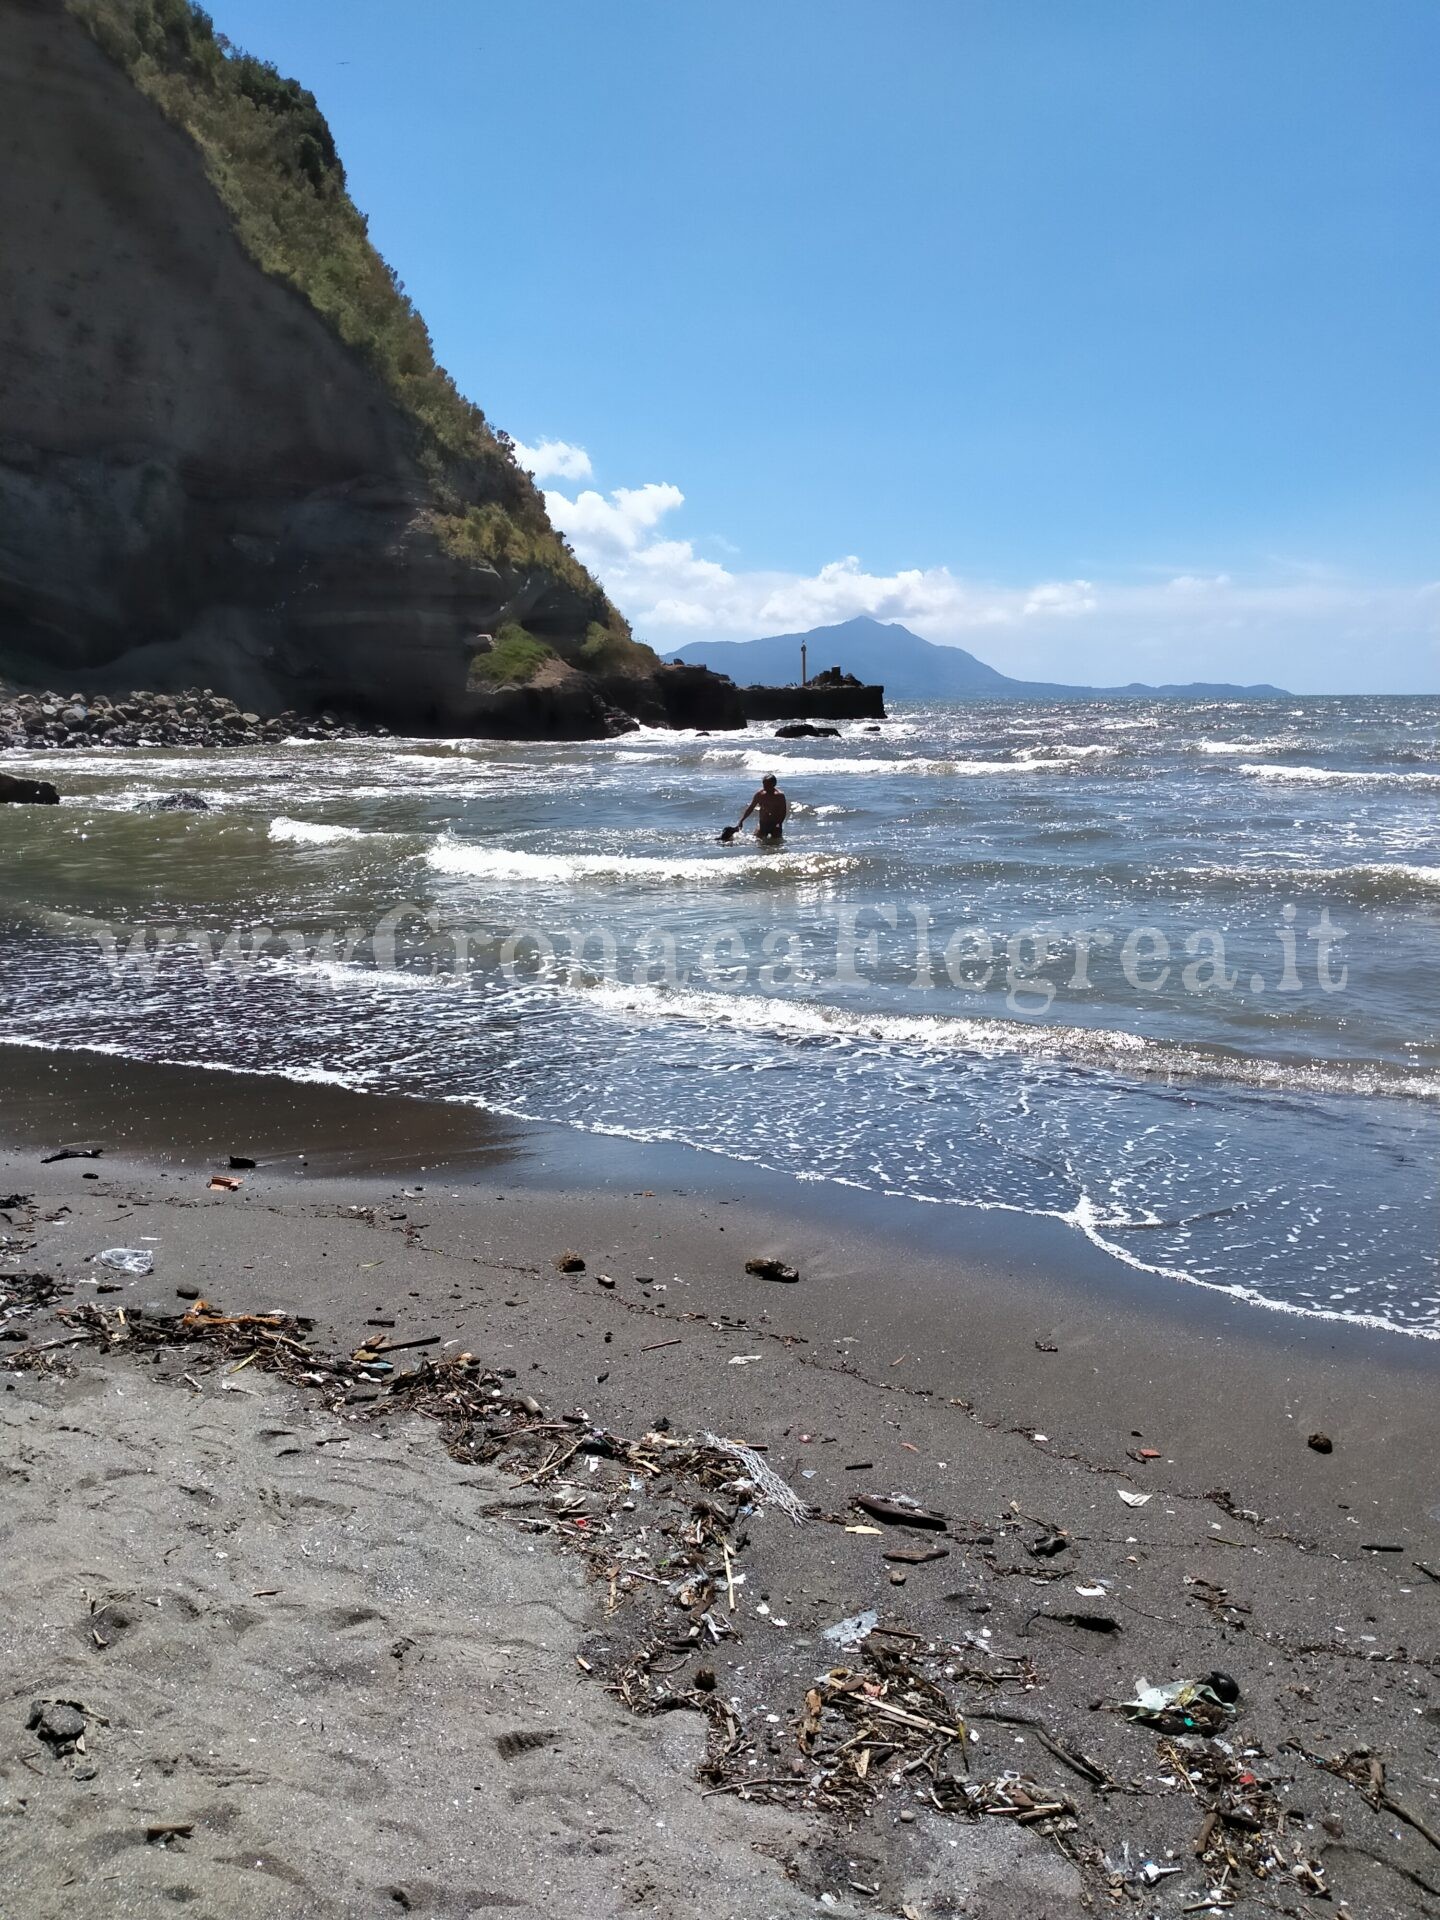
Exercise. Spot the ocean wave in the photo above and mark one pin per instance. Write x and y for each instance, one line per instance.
(778, 763)
(941, 1035)
(313, 833)
(1282, 745)
(1370, 880)
(1065, 750)
(1338, 776)
(718, 869)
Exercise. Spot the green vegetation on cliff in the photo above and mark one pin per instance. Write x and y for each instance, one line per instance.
(271, 158)
(513, 661)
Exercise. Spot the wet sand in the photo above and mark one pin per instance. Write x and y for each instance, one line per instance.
(937, 1344)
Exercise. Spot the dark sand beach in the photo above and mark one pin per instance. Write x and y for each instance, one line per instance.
(1004, 1375)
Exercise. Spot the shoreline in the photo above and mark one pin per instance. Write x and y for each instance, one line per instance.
(336, 1130)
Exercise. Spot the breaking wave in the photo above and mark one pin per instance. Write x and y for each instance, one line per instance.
(939, 1035)
(312, 833)
(741, 864)
(1337, 776)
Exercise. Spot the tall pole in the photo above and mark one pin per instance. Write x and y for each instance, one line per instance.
(804, 676)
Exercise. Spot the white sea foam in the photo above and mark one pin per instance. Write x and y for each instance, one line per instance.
(1096, 1048)
(779, 763)
(719, 869)
(1068, 750)
(312, 833)
(1281, 745)
(1337, 776)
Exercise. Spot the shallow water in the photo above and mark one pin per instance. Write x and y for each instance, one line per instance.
(1159, 969)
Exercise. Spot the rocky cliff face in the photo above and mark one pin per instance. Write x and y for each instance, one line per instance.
(200, 480)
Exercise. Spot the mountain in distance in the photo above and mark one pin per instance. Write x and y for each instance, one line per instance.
(910, 668)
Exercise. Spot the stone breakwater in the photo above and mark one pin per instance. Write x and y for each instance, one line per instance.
(198, 718)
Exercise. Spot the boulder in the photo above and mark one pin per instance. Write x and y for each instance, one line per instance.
(35, 793)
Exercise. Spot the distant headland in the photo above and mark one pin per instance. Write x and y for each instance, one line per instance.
(914, 669)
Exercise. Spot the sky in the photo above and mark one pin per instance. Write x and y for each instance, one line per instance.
(1100, 339)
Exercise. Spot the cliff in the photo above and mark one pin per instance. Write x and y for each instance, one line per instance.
(227, 455)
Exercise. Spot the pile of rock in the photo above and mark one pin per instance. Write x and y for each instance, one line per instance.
(196, 718)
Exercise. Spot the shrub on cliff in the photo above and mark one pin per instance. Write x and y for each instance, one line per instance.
(272, 159)
(513, 661)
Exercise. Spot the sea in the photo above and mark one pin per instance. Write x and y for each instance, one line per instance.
(1161, 970)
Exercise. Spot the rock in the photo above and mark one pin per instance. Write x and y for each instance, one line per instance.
(183, 802)
(1320, 1443)
(61, 1722)
(803, 730)
(764, 1268)
(34, 793)
(569, 1263)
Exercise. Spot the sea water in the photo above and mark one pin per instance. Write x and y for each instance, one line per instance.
(1163, 970)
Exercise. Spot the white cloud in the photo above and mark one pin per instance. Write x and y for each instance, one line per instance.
(553, 460)
(1302, 625)
(603, 531)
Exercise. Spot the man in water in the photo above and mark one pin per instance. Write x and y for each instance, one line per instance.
(772, 807)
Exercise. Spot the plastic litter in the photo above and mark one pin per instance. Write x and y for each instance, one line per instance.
(850, 1632)
(136, 1260)
(763, 1477)
(1185, 1706)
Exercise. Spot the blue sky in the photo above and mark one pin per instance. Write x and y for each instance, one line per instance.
(1097, 336)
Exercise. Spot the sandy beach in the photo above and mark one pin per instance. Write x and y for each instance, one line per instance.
(299, 1626)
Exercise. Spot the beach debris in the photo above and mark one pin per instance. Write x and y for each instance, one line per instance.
(1320, 1443)
(60, 1724)
(241, 1163)
(1245, 1825)
(1133, 1499)
(870, 1728)
(162, 1832)
(1048, 1545)
(225, 1183)
(26, 1293)
(743, 1359)
(899, 1510)
(913, 1556)
(569, 1263)
(1185, 1706)
(10, 1201)
(133, 1260)
(1365, 1772)
(761, 1476)
(765, 1268)
(855, 1628)
(77, 1150)
(605, 1280)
